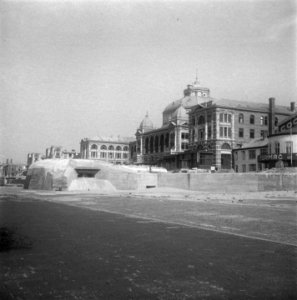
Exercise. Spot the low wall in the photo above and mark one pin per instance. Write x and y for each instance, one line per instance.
(229, 182)
(128, 181)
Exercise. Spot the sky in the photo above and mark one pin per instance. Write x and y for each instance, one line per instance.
(76, 69)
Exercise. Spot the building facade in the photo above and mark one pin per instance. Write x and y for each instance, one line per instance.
(33, 157)
(282, 145)
(246, 158)
(218, 126)
(111, 149)
(58, 152)
(164, 146)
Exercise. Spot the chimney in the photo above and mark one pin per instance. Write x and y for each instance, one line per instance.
(271, 116)
(293, 106)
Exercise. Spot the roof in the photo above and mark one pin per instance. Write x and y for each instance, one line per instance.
(111, 139)
(146, 123)
(248, 105)
(186, 102)
(257, 143)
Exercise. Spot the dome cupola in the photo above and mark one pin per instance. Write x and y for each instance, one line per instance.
(146, 124)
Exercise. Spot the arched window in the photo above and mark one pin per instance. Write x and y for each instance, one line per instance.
(201, 120)
(252, 119)
(103, 147)
(226, 146)
(125, 148)
(241, 118)
(94, 147)
(111, 147)
(118, 148)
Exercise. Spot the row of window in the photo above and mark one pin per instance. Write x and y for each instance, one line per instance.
(289, 148)
(104, 147)
(111, 155)
(226, 118)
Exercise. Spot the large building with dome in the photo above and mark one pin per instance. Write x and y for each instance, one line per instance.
(199, 131)
(163, 146)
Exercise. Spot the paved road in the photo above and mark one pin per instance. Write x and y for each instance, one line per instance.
(81, 252)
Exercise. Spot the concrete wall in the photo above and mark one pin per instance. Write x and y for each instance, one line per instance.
(128, 181)
(229, 182)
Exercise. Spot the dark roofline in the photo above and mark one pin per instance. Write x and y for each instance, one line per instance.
(215, 105)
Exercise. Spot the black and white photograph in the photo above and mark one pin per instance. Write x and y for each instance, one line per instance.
(148, 149)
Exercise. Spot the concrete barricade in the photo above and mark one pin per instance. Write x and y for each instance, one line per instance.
(229, 182)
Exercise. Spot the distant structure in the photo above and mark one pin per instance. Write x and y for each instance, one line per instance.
(33, 157)
(112, 149)
(200, 132)
(58, 152)
(11, 169)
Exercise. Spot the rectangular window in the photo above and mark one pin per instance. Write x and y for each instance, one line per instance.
(252, 168)
(277, 147)
(221, 117)
(263, 133)
(208, 118)
(102, 154)
(118, 155)
(252, 154)
(243, 155)
(225, 132)
(252, 133)
(243, 168)
(240, 133)
(229, 118)
(263, 151)
(201, 134)
(93, 154)
(209, 132)
(289, 146)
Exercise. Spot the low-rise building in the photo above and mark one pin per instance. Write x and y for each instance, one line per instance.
(111, 149)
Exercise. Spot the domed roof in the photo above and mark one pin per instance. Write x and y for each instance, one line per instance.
(146, 124)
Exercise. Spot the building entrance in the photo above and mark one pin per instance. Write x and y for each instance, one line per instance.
(226, 161)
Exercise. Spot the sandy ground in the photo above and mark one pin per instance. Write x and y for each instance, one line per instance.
(153, 244)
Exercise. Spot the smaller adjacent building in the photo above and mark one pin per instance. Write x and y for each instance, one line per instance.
(246, 158)
(279, 149)
(111, 149)
(282, 145)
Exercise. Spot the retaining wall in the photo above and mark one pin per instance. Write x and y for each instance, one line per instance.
(229, 182)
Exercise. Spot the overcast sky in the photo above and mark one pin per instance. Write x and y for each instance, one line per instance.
(75, 69)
